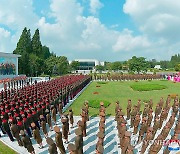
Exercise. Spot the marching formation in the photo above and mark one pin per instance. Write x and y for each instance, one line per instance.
(118, 77)
(30, 110)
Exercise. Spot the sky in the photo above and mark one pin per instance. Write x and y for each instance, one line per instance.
(107, 30)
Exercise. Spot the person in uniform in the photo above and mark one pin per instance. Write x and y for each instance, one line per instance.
(71, 119)
(64, 129)
(6, 128)
(79, 141)
(125, 142)
(146, 140)
(52, 146)
(53, 111)
(36, 135)
(58, 140)
(129, 109)
(72, 149)
(48, 118)
(43, 125)
(15, 132)
(26, 141)
(136, 123)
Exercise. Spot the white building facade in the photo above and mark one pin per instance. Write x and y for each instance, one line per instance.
(87, 65)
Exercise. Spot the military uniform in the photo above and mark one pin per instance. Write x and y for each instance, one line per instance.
(15, 131)
(27, 142)
(79, 141)
(52, 146)
(59, 141)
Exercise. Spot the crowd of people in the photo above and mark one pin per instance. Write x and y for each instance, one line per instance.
(146, 124)
(174, 77)
(7, 69)
(126, 77)
(30, 107)
(27, 110)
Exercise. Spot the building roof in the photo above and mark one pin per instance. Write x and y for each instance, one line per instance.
(2, 54)
(86, 60)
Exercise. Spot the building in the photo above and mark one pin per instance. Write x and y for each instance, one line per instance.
(87, 65)
(158, 67)
(8, 64)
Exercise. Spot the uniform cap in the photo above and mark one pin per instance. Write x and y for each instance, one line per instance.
(22, 132)
(46, 110)
(49, 141)
(56, 129)
(63, 120)
(100, 135)
(101, 103)
(71, 147)
(78, 132)
(41, 116)
(127, 133)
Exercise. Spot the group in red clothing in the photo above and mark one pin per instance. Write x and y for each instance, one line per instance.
(24, 106)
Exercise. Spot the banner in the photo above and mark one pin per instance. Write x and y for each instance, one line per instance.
(7, 66)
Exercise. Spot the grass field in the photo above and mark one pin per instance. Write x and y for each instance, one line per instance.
(121, 91)
(5, 149)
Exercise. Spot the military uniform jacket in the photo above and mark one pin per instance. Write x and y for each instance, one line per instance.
(27, 143)
(59, 141)
(53, 149)
(43, 125)
(15, 131)
(37, 136)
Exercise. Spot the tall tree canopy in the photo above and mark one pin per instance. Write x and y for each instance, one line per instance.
(36, 44)
(138, 64)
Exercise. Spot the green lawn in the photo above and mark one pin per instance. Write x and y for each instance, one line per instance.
(5, 149)
(122, 91)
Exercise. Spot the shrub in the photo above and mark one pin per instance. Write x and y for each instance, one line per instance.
(96, 103)
(102, 82)
(147, 87)
(173, 96)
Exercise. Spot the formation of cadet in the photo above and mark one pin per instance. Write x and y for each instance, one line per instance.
(141, 122)
(24, 112)
(119, 77)
(30, 107)
(101, 133)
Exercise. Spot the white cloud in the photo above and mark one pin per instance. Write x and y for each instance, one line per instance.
(95, 6)
(76, 36)
(127, 42)
(156, 18)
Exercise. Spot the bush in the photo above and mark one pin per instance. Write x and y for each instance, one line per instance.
(173, 96)
(96, 103)
(102, 82)
(147, 87)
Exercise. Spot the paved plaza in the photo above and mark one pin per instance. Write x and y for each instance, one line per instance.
(110, 142)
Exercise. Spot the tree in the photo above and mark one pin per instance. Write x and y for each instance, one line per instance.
(74, 65)
(138, 64)
(177, 67)
(24, 48)
(100, 68)
(36, 44)
(57, 65)
(116, 66)
(45, 51)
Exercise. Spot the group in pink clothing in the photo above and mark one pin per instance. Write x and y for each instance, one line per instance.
(175, 78)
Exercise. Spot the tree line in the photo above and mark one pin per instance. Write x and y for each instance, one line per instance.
(37, 59)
